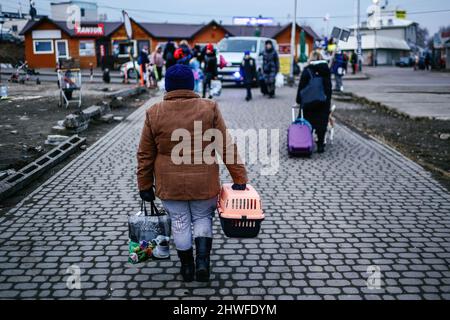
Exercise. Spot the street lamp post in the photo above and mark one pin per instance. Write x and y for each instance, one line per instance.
(293, 33)
(1, 40)
(358, 33)
(373, 22)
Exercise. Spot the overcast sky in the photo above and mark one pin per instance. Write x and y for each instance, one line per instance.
(309, 11)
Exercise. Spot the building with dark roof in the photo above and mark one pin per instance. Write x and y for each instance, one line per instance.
(93, 42)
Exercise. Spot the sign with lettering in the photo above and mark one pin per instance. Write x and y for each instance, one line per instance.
(252, 21)
(98, 30)
(400, 14)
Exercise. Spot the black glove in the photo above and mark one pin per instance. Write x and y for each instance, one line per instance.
(148, 195)
(240, 187)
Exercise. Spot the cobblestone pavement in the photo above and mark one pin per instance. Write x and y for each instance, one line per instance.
(328, 219)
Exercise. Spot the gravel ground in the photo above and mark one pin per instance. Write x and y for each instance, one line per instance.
(418, 139)
(25, 125)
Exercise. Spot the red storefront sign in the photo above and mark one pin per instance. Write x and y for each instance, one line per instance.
(98, 30)
(284, 48)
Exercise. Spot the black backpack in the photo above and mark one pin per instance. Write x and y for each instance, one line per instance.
(314, 92)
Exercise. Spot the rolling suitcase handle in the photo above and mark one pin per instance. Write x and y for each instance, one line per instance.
(294, 117)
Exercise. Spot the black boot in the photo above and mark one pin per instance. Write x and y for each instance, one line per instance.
(320, 148)
(187, 264)
(203, 249)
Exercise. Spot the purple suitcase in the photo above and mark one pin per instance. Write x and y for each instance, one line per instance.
(300, 139)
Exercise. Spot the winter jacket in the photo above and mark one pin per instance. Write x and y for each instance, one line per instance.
(168, 55)
(248, 69)
(338, 62)
(210, 65)
(271, 64)
(179, 110)
(157, 59)
(143, 58)
(185, 55)
(317, 114)
(354, 58)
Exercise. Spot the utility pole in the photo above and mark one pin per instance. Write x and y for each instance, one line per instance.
(358, 33)
(373, 22)
(293, 32)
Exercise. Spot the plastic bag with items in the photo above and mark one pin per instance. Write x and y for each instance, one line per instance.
(149, 234)
(216, 88)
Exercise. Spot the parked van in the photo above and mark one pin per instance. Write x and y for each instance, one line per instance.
(233, 48)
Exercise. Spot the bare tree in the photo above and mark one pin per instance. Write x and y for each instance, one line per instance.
(422, 36)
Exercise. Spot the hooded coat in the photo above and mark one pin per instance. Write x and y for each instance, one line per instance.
(271, 65)
(319, 113)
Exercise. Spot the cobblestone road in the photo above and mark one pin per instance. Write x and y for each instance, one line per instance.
(328, 219)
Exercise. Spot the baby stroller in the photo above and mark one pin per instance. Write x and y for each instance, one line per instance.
(69, 82)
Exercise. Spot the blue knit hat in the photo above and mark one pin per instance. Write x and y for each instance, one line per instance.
(179, 77)
(247, 52)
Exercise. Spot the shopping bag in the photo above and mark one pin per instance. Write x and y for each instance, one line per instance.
(216, 88)
(161, 85)
(279, 80)
(149, 234)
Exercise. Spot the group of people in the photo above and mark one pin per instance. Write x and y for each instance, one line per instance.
(266, 76)
(202, 61)
(422, 62)
(205, 64)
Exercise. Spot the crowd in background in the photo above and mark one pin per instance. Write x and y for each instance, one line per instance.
(203, 62)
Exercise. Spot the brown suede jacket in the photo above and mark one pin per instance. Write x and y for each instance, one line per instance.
(193, 179)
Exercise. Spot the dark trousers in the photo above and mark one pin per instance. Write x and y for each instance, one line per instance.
(318, 116)
(270, 85)
(321, 136)
(248, 86)
(207, 84)
(159, 71)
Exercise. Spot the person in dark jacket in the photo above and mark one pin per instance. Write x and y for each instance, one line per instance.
(169, 54)
(183, 54)
(338, 67)
(248, 73)
(210, 71)
(317, 114)
(354, 62)
(143, 62)
(271, 66)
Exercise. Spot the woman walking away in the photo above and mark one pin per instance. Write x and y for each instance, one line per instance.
(187, 182)
(158, 61)
(271, 66)
(209, 69)
(169, 54)
(248, 73)
(317, 113)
